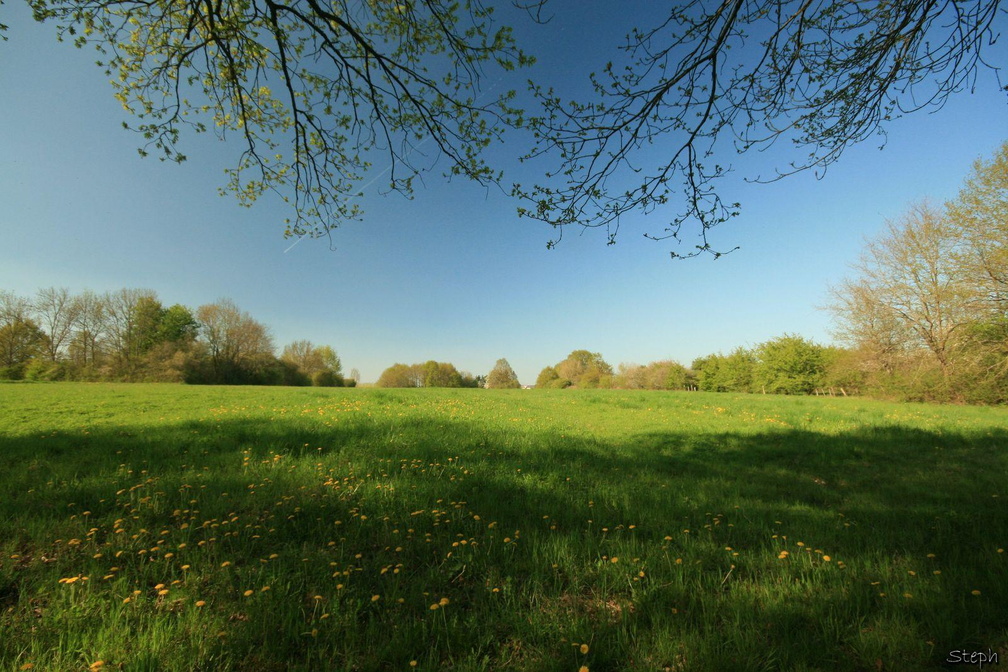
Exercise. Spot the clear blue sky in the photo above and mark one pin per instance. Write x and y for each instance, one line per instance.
(452, 275)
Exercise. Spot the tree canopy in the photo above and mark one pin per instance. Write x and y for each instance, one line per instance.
(317, 91)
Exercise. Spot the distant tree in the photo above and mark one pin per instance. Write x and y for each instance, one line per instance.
(726, 373)
(629, 376)
(470, 381)
(122, 309)
(56, 310)
(546, 377)
(584, 368)
(397, 375)
(147, 317)
(502, 376)
(91, 328)
(311, 360)
(237, 344)
(178, 325)
(355, 376)
(21, 342)
(441, 374)
(789, 364)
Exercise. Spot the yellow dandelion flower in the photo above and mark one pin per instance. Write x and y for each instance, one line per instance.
(264, 589)
(434, 607)
(826, 558)
(375, 598)
(26, 666)
(126, 600)
(583, 668)
(159, 586)
(200, 603)
(162, 593)
(226, 563)
(247, 593)
(97, 665)
(444, 601)
(584, 648)
(412, 663)
(614, 560)
(974, 592)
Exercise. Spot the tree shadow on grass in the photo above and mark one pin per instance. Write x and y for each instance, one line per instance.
(407, 493)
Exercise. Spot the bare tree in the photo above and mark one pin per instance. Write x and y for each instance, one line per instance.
(232, 336)
(91, 327)
(121, 319)
(57, 312)
(724, 77)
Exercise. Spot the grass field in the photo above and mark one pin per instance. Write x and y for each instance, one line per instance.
(209, 528)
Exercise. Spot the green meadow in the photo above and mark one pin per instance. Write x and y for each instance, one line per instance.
(164, 527)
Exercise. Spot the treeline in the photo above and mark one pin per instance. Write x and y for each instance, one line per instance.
(444, 374)
(785, 365)
(129, 335)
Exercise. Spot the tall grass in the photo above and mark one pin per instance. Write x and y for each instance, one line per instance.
(181, 528)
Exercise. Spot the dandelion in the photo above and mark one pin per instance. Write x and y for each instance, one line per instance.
(226, 563)
(974, 592)
(583, 668)
(247, 593)
(434, 607)
(97, 665)
(614, 560)
(200, 603)
(584, 648)
(412, 663)
(375, 598)
(162, 593)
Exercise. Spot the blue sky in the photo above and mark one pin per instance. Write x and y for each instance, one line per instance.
(453, 274)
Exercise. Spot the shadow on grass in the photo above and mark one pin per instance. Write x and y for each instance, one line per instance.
(629, 544)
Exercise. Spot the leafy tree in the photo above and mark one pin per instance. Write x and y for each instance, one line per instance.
(313, 90)
(147, 318)
(584, 369)
(789, 365)
(178, 325)
(397, 375)
(726, 373)
(547, 377)
(502, 376)
(20, 342)
(354, 376)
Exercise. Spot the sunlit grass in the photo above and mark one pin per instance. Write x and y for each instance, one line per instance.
(179, 528)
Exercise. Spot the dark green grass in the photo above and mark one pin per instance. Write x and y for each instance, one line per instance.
(662, 530)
